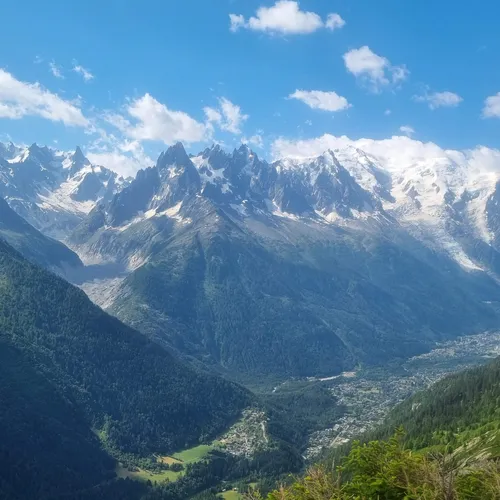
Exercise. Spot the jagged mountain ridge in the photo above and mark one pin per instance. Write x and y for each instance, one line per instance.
(242, 184)
(297, 267)
(445, 203)
(53, 190)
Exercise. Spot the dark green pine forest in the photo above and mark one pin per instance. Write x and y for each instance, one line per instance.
(70, 372)
(462, 411)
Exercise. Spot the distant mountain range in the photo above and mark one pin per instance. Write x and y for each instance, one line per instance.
(53, 190)
(304, 266)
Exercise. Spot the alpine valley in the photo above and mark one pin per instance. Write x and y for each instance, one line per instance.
(304, 280)
(301, 267)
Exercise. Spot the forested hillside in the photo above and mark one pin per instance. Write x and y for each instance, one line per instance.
(387, 470)
(460, 411)
(69, 368)
(229, 294)
(44, 441)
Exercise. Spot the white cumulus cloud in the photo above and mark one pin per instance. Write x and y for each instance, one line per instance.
(153, 121)
(318, 99)
(212, 115)
(396, 153)
(18, 99)
(440, 99)
(492, 106)
(236, 21)
(334, 21)
(123, 164)
(285, 17)
(255, 140)
(373, 70)
(125, 158)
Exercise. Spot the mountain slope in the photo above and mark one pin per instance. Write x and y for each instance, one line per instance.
(106, 369)
(46, 447)
(302, 309)
(287, 269)
(460, 413)
(33, 245)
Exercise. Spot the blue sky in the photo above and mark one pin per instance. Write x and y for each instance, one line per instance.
(147, 71)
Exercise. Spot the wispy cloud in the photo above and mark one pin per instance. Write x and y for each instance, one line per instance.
(439, 99)
(228, 116)
(122, 156)
(255, 140)
(407, 130)
(56, 70)
(317, 99)
(84, 72)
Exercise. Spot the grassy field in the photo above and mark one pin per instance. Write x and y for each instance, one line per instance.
(144, 475)
(195, 454)
(168, 460)
(231, 495)
(189, 456)
(235, 495)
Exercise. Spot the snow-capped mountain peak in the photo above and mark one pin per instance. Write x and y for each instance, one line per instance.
(9, 151)
(438, 200)
(448, 201)
(75, 162)
(53, 189)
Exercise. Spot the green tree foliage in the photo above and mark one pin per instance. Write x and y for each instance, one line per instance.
(386, 470)
(295, 413)
(452, 412)
(46, 447)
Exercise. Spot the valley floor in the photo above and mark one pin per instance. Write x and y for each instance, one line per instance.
(371, 393)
